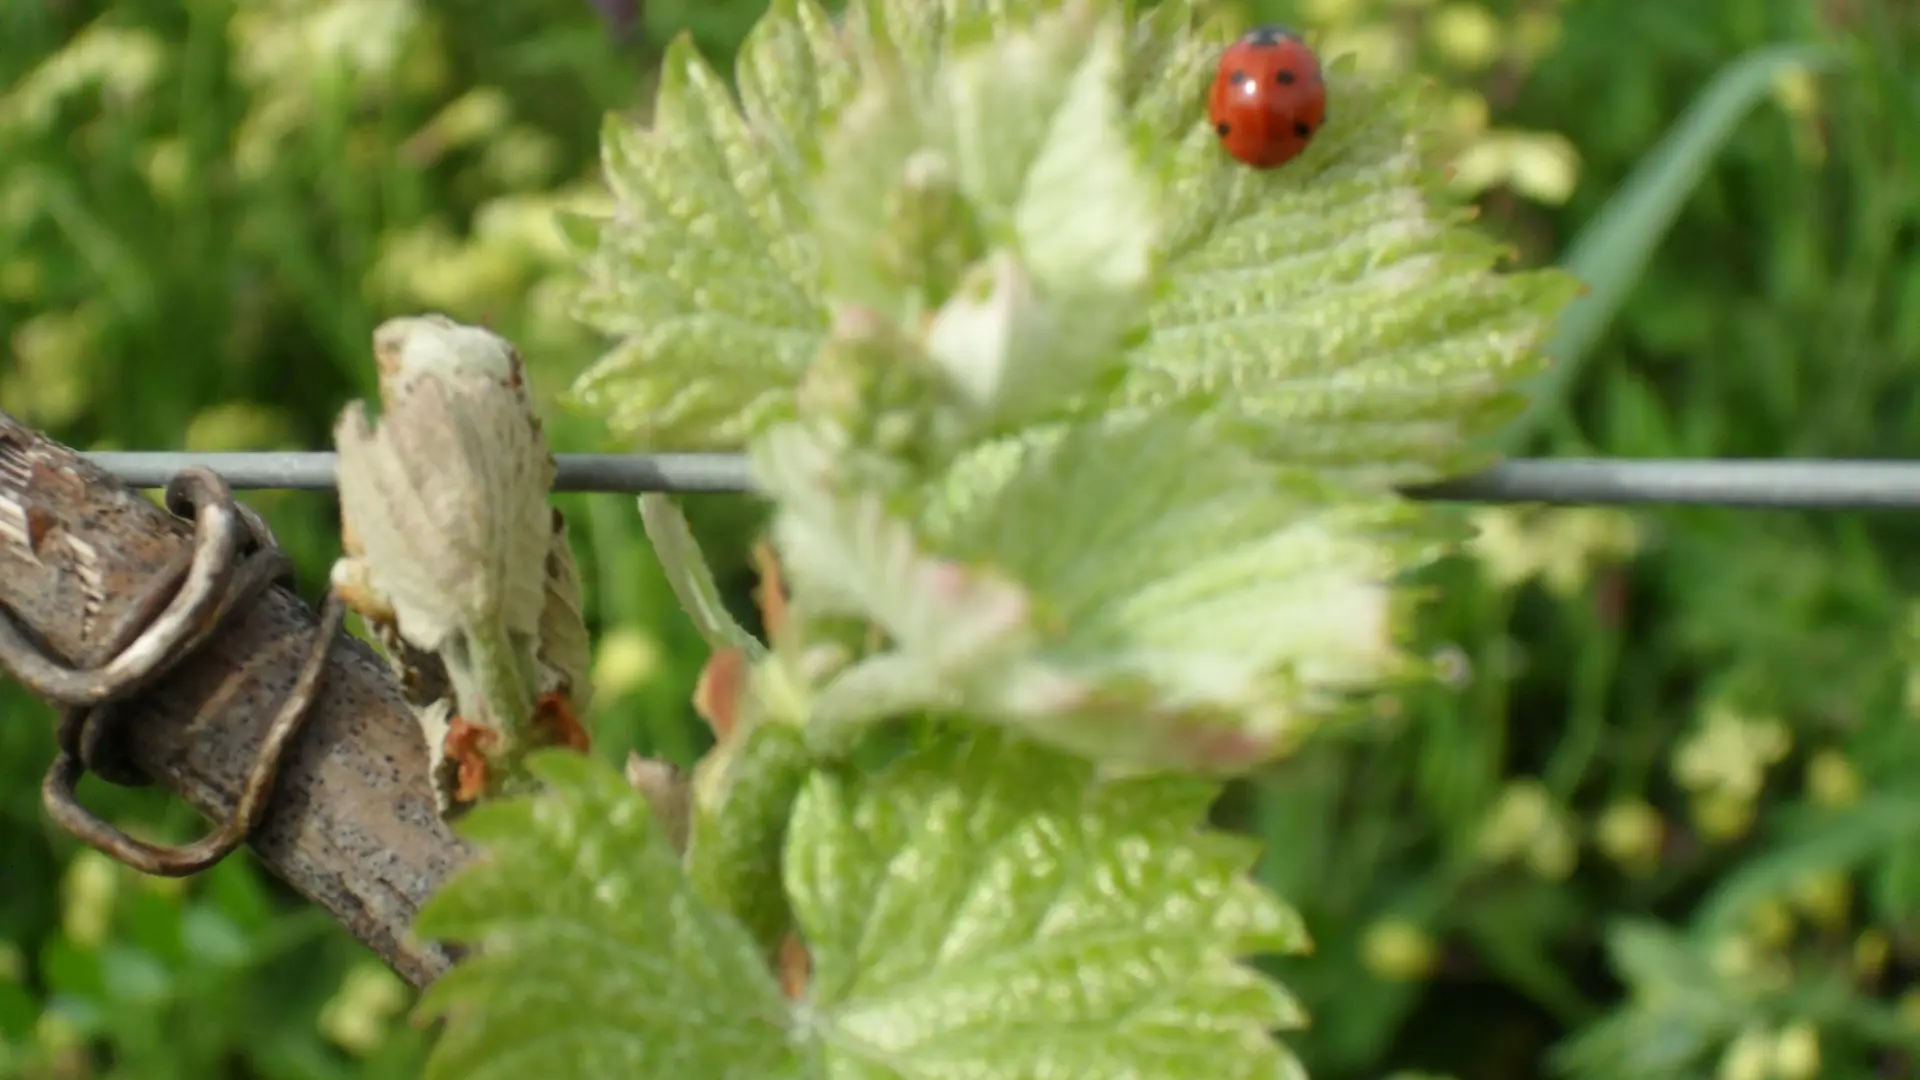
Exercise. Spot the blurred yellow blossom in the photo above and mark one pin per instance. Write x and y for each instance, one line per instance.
(120, 63)
(1796, 92)
(88, 895)
(1525, 825)
(1397, 950)
(1826, 898)
(1560, 547)
(1747, 968)
(22, 279)
(1748, 1057)
(1772, 923)
(527, 225)
(258, 139)
(1376, 48)
(1545, 167)
(429, 266)
(56, 1033)
(1729, 753)
(48, 384)
(1871, 952)
(1466, 35)
(1796, 1052)
(1720, 816)
(624, 659)
(425, 69)
(1832, 780)
(471, 118)
(1908, 1005)
(1631, 833)
(297, 45)
(167, 167)
(239, 425)
(522, 158)
(1535, 33)
(1542, 166)
(1467, 114)
(1330, 12)
(356, 1018)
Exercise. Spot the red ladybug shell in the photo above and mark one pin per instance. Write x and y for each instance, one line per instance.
(1268, 98)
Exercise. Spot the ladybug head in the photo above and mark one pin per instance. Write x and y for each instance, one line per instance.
(1267, 36)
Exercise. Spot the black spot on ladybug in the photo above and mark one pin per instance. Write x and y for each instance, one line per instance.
(1302, 128)
(1222, 129)
(1239, 77)
(1284, 78)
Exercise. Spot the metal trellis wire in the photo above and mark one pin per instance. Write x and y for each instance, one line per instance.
(1805, 484)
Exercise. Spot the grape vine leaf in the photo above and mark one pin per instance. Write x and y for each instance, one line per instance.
(595, 957)
(1337, 313)
(1139, 592)
(985, 907)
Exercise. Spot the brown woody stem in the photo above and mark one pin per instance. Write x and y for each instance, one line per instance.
(351, 825)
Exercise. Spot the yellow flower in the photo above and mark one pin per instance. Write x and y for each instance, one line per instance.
(1504, 547)
(1730, 753)
(627, 657)
(1399, 951)
(1832, 780)
(238, 425)
(1908, 1006)
(295, 47)
(1772, 923)
(1796, 1052)
(1466, 34)
(1535, 33)
(1871, 951)
(1720, 816)
(90, 890)
(1631, 833)
(1560, 547)
(1376, 48)
(1747, 1057)
(1524, 825)
(1826, 898)
(357, 1016)
(122, 64)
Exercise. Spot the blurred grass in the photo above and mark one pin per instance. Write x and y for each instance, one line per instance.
(1661, 821)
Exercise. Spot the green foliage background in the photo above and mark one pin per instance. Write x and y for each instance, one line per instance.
(1667, 807)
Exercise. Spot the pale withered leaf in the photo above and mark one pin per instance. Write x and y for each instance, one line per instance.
(447, 490)
(565, 651)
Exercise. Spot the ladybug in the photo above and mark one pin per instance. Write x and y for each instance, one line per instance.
(1268, 98)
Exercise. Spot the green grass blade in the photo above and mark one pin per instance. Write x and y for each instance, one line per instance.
(1610, 254)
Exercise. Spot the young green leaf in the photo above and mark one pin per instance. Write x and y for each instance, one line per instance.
(1336, 314)
(1679, 1014)
(985, 907)
(1338, 311)
(734, 859)
(691, 579)
(594, 957)
(705, 271)
(1141, 592)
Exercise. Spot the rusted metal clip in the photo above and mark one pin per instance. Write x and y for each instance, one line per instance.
(233, 559)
